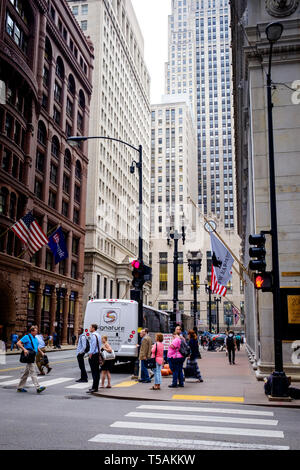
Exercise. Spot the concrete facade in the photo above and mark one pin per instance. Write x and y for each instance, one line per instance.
(251, 66)
(120, 109)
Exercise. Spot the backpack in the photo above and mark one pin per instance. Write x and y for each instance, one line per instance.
(184, 349)
(230, 342)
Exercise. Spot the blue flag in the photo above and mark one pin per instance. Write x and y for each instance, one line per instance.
(58, 245)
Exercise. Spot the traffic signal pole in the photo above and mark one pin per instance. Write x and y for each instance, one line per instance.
(273, 211)
(140, 168)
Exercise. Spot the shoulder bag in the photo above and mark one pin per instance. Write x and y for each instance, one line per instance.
(30, 357)
(151, 363)
(108, 356)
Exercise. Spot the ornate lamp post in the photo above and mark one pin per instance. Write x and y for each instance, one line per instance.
(194, 264)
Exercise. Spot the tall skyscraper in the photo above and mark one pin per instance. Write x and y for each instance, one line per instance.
(200, 65)
(199, 71)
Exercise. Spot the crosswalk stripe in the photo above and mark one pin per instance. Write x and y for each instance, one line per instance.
(178, 444)
(80, 386)
(9, 382)
(198, 429)
(5, 377)
(206, 410)
(216, 419)
(48, 383)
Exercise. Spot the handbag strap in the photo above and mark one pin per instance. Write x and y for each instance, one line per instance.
(98, 343)
(29, 336)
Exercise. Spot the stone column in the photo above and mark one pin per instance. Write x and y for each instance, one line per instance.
(77, 319)
(53, 306)
(64, 339)
(38, 305)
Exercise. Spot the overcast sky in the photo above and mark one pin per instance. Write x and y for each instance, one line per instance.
(152, 16)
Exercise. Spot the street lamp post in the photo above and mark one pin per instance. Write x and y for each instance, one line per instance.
(176, 236)
(139, 164)
(217, 300)
(208, 291)
(194, 263)
(274, 32)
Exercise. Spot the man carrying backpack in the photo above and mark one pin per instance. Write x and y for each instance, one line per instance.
(83, 347)
(230, 345)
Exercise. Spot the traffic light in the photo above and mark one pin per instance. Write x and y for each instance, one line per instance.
(263, 282)
(258, 252)
(140, 273)
(137, 274)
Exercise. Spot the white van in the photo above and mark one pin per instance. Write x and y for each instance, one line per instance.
(118, 320)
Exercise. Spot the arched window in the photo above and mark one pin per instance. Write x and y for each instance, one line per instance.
(67, 160)
(78, 170)
(71, 85)
(81, 99)
(60, 69)
(42, 133)
(12, 206)
(55, 147)
(3, 200)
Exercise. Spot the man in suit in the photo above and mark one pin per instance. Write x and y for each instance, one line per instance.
(145, 353)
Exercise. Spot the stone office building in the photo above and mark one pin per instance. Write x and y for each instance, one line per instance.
(251, 52)
(45, 89)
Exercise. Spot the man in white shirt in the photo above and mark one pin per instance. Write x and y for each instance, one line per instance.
(81, 350)
(39, 362)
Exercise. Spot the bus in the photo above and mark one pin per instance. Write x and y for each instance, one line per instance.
(118, 320)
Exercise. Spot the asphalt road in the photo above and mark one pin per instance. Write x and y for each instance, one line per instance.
(64, 418)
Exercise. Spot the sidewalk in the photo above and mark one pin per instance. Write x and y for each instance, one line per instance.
(223, 383)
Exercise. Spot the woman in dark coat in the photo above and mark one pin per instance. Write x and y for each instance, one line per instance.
(194, 346)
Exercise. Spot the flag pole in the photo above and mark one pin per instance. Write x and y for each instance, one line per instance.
(224, 243)
(229, 249)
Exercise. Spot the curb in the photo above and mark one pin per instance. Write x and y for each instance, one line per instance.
(269, 404)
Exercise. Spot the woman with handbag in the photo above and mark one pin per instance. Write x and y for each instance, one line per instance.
(29, 348)
(158, 355)
(108, 357)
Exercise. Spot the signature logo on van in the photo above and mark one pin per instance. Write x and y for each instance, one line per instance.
(110, 317)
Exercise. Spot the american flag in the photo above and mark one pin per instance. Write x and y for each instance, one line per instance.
(216, 288)
(29, 231)
(236, 314)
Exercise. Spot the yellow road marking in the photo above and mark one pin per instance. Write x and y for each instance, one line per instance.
(208, 398)
(127, 383)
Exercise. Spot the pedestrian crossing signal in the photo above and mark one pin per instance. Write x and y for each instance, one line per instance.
(263, 282)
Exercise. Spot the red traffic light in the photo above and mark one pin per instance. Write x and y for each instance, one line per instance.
(259, 282)
(135, 264)
(263, 282)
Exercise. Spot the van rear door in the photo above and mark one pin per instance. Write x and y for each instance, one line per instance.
(110, 326)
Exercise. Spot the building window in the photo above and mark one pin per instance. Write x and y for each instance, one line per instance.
(84, 25)
(53, 173)
(52, 199)
(38, 189)
(163, 271)
(65, 208)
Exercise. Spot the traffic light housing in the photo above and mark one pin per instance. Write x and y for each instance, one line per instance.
(263, 282)
(140, 274)
(258, 252)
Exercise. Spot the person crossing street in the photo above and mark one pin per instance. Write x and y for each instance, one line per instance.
(28, 343)
(41, 355)
(82, 348)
